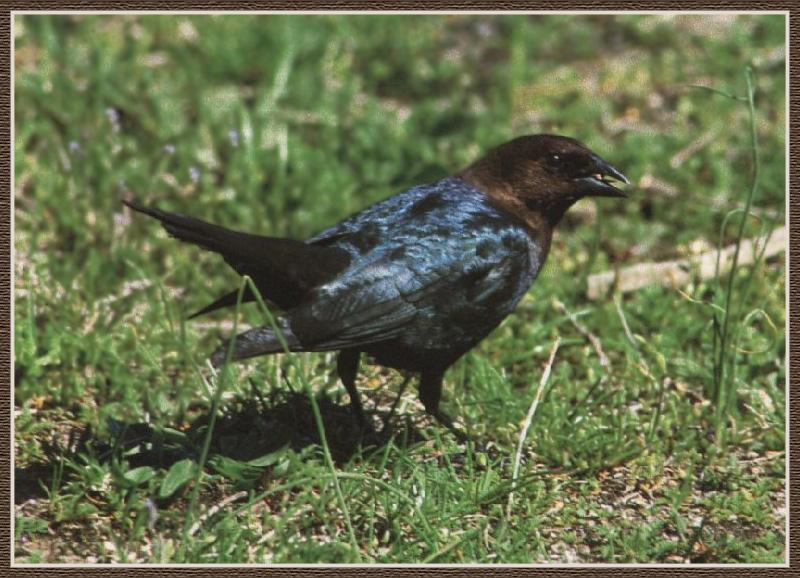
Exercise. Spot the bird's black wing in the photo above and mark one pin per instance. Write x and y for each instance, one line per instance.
(378, 301)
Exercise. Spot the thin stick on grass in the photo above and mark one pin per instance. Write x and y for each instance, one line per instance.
(593, 339)
(680, 272)
(624, 321)
(528, 420)
(214, 509)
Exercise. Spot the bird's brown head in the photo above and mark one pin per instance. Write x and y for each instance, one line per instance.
(541, 176)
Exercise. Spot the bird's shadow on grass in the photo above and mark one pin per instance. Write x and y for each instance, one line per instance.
(248, 430)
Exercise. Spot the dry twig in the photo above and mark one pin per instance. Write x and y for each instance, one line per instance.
(593, 339)
(214, 509)
(528, 419)
(679, 272)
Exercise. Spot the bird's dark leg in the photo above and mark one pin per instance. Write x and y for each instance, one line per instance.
(430, 392)
(347, 368)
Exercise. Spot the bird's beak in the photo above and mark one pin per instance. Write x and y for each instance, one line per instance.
(598, 185)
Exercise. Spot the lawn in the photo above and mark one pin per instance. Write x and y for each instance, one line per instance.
(660, 433)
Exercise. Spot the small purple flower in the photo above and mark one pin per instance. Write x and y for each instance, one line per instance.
(74, 146)
(112, 114)
(233, 135)
(169, 149)
(194, 173)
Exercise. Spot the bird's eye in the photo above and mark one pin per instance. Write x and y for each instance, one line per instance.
(566, 163)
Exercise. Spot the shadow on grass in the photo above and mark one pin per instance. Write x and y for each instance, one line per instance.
(251, 430)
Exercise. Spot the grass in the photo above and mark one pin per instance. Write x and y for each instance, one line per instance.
(127, 447)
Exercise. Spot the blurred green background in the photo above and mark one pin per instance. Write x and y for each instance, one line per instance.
(283, 125)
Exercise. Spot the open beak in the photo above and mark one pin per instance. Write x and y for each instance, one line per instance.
(600, 183)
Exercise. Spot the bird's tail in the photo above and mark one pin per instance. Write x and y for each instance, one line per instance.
(191, 230)
(283, 270)
(258, 341)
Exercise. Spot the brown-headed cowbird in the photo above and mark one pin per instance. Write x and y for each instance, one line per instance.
(418, 279)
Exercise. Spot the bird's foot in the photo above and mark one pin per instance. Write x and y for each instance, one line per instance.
(445, 420)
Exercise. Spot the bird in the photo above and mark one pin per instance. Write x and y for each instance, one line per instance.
(416, 280)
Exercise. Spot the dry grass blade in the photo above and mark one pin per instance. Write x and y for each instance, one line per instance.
(679, 272)
(214, 509)
(528, 420)
(593, 339)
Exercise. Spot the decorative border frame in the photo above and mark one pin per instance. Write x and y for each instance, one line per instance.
(510, 571)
